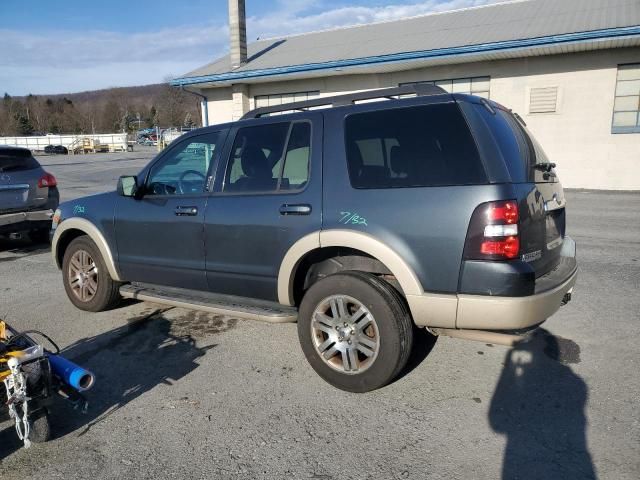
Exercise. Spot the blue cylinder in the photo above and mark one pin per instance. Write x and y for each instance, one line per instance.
(70, 373)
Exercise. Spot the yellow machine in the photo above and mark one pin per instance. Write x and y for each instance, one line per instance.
(30, 375)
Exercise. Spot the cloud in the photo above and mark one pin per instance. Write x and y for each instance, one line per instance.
(290, 21)
(59, 61)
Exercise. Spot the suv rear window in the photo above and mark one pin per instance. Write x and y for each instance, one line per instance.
(17, 160)
(530, 151)
(420, 146)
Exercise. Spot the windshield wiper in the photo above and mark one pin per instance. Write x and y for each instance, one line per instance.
(544, 166)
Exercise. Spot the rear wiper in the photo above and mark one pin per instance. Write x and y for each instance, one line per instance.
(544, 166)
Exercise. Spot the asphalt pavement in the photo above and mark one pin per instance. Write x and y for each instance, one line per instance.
(188, 395)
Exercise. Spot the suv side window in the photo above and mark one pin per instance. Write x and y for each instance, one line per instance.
(269, 158)
(184, 169)
(419, 146)
(295, 174)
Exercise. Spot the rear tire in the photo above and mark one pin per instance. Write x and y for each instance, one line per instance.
(355, 330)
(86, 278)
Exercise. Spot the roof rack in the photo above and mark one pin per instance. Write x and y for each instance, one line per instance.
(417, 89)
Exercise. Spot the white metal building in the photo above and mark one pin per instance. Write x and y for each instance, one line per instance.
(570, 68)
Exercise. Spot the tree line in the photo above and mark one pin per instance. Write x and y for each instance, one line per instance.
(125, 109)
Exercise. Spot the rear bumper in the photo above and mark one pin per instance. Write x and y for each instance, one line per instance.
(486, 312)
(499, 312)
(14, 222)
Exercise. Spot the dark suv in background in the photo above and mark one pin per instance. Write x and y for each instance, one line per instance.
(28, 195)
(362, 221)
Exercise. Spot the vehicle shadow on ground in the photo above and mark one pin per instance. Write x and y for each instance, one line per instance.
(23, 247)
(539, 406)
(423, 344)
(128, 362)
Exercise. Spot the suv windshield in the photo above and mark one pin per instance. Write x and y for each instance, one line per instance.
(13, 160)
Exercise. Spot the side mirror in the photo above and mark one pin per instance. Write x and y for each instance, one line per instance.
(128, 186)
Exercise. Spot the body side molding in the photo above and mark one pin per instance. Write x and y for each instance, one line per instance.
(92, 231)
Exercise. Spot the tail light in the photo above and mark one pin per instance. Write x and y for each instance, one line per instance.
(493, 232)
(47, 180)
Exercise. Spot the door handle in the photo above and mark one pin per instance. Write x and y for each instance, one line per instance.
(296, 209)
(186, 211)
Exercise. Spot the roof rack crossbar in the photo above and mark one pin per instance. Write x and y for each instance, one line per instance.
(418, 89)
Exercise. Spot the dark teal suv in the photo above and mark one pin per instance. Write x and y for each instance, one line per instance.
(364, 217)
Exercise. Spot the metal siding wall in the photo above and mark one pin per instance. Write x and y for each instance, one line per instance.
(577, 136)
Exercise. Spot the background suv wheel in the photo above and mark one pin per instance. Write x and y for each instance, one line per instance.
(40, 235)
(86, 279)
(355, 331)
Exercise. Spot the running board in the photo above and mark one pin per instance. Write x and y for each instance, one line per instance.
(237, 307)
(484, 336)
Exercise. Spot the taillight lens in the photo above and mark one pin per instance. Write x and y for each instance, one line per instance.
(493, 232)
(503, 212)
(47, 180)
(508, 248)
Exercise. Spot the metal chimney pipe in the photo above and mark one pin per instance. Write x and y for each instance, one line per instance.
(238, 32)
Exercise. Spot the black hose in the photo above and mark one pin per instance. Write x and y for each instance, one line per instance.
(24, 335)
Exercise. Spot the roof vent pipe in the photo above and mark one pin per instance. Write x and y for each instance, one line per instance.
(238, 32)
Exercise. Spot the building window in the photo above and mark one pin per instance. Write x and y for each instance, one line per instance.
(474, 86)
(543, 100)
(280, 98)
(626, 107)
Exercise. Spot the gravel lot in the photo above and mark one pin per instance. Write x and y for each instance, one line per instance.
(188, 395)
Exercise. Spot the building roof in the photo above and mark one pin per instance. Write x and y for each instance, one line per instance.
(503, 30)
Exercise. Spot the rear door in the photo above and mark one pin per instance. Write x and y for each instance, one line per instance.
(267, 196)
(19, 175)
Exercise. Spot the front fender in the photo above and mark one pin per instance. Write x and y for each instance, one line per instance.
(83, 225)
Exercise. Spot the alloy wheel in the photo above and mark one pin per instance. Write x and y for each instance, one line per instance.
(345, 334)
(83, 276)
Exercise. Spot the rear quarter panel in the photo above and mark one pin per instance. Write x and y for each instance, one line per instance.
(426, 226)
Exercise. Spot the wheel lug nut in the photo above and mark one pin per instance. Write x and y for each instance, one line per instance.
(345, 324)
(352, 332)
(349, 342)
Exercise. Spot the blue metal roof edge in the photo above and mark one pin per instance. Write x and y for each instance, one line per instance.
(416, 55)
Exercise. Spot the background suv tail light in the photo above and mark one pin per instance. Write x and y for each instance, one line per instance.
(493, 232)
(47, 180)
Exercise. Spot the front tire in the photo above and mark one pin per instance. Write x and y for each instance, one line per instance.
(86, 278)
(355, 331)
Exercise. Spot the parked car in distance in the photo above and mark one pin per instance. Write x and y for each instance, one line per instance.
(28, 195)
(364, 217)
(56, 149)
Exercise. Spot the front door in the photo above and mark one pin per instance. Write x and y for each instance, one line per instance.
(160, 235)
(267, 195)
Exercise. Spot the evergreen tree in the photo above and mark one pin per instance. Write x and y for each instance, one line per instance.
(188, 121)
(24, 125)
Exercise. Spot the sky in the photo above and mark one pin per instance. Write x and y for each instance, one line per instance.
(64, 46)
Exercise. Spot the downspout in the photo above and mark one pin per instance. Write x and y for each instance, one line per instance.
(205, 106)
